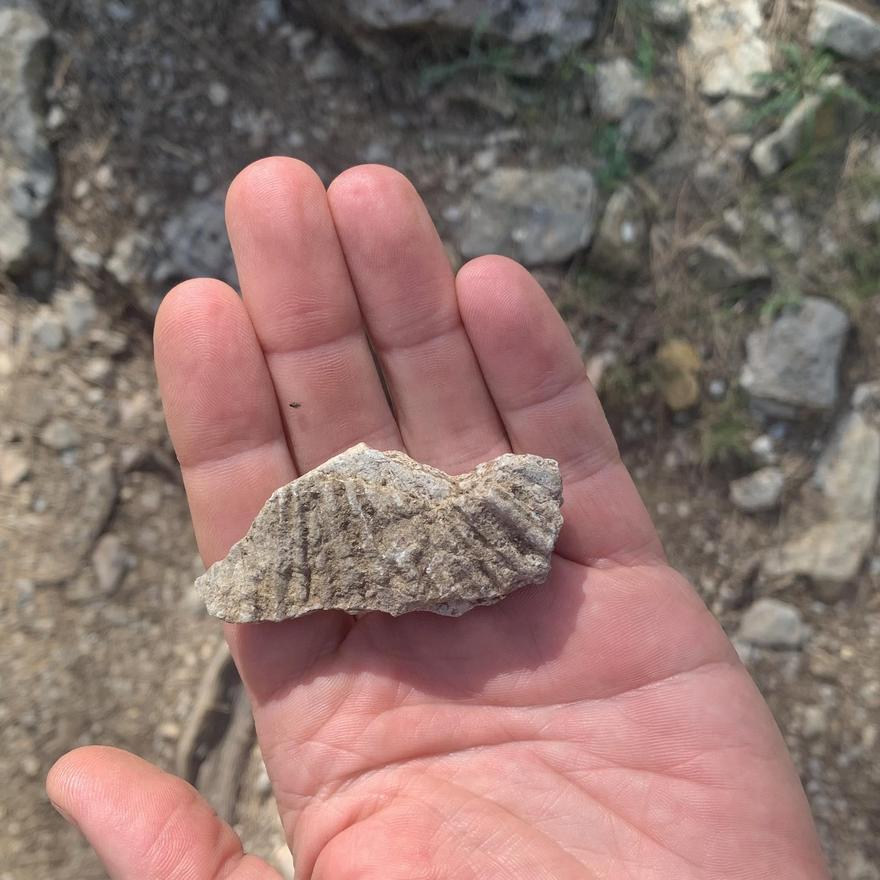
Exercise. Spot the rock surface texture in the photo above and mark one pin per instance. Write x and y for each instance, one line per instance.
(535, 217)
(793, 364)
(27, 166)
(552, 26)
(849, 31)
(376, 531)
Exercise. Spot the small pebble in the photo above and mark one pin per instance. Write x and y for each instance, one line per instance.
(60, 435)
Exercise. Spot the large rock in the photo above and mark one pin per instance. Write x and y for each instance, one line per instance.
(551, 27)
(848, 31)
(727, 48)
(770, 623)
(621, 244)
(376, 531)
(792, 365)
(536, 217)
(27, 166)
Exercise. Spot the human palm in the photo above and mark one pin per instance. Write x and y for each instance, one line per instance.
(597, 726)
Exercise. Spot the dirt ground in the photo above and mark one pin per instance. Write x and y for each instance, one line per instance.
(159, 105)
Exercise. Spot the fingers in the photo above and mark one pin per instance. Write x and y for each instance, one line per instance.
(299, 296)
(540, 388)
(145, 824)
(406, 292)
(223, 418)
(221, 411)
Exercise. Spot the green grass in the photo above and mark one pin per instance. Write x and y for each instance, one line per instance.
(801, 72)
(778, 301)
(726, 432)
(482, 57)
(609, 148)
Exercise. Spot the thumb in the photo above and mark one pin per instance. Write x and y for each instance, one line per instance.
(145, 824)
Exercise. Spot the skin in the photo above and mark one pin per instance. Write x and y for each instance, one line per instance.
(598, 726)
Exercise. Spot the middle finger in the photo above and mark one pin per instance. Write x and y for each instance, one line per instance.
(300, 299)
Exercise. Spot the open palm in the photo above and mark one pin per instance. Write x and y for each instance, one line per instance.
(598, 726)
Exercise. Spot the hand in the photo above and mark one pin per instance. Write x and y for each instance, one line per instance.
(599, 725)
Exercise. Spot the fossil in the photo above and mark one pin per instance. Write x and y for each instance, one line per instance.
(377, 531)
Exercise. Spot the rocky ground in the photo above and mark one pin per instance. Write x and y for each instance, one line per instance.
(697, 183)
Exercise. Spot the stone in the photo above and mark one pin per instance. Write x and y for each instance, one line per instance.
(830, 553)
(726, 47)
(130, 258)
(535, 217)
(98, 371)
(670, 14)
(769, 623)
(376, 531)
(110, 562)
(719, 266)
(14, 467)
(60, 435)
(848, 471)
(759, 491)
(77, 309)
(648, 128)
(621, 244)
(792, 365)
(548, 29)
(47, 331)
(27, 165)
(194, 243)
(617, 85)
(781, 147)
(850, 32)
(678, 367)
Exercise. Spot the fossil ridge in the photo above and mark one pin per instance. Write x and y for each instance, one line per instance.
(377, 531)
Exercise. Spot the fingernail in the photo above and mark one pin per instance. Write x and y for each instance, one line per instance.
(65, 815)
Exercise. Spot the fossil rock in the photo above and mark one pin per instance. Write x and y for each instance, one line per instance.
(376, 531)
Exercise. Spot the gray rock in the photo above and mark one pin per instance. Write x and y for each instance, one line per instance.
(670, 14)
(77, 309)
(647, 129)
(621, 243)
(376, 531)
(848, 472)
(60, 435)
(829, 554)
(792, 365)
(848, 31)
(718, 265)
(131, 257)
(14, 467)
(550, 27)
(110, 562)
(194, 243)
(781, 147)
(770, 623)
(758, 492)
(27, 166)
(47, 331)
(727, 48)
(536, 217)
(617, 85)
(98, 371)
